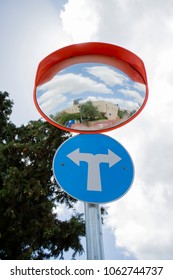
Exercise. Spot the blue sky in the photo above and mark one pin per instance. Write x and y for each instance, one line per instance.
(139, 225)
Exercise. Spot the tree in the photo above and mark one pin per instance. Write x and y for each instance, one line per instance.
(76, 101)
(65, 117)
(28, 193)
(6, 127)
(121, 113)
(89, 111)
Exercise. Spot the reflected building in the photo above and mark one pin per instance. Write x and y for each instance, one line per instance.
(109, 109)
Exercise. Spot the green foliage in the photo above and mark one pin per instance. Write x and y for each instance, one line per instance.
(89, 111)
(66, 117)
(121, 113)
(6, 127)
(28, 193)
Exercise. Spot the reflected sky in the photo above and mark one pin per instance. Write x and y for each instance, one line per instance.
(89, 81)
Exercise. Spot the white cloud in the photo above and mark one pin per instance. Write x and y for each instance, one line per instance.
(74, 84)
(142, 221)
(50, 101)
(107, 75)
(140, 87)
(80, 20)
(62, 88)
(132, 94)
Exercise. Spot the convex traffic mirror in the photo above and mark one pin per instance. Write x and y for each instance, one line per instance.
(90, 87)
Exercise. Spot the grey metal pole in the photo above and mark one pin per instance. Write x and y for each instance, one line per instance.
(94, 236)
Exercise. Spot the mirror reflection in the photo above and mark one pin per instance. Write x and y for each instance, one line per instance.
(90, 96)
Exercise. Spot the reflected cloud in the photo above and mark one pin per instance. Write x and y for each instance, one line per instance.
(133, 95)
(107, 75)
(90, 96)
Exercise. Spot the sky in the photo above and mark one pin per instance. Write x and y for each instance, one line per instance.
(89, 81)
(139, 225)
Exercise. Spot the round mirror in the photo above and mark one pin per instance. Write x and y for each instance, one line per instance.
(90, 93)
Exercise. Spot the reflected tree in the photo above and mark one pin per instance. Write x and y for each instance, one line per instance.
(89, 111)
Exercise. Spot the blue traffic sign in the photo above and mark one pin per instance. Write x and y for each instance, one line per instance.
(93, 168)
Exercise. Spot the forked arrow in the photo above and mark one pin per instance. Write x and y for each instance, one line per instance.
(94, 177)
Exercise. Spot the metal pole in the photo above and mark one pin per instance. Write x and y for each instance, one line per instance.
(94, 236)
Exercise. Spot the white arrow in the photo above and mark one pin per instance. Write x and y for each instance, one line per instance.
(76, 156)
(94, 178)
